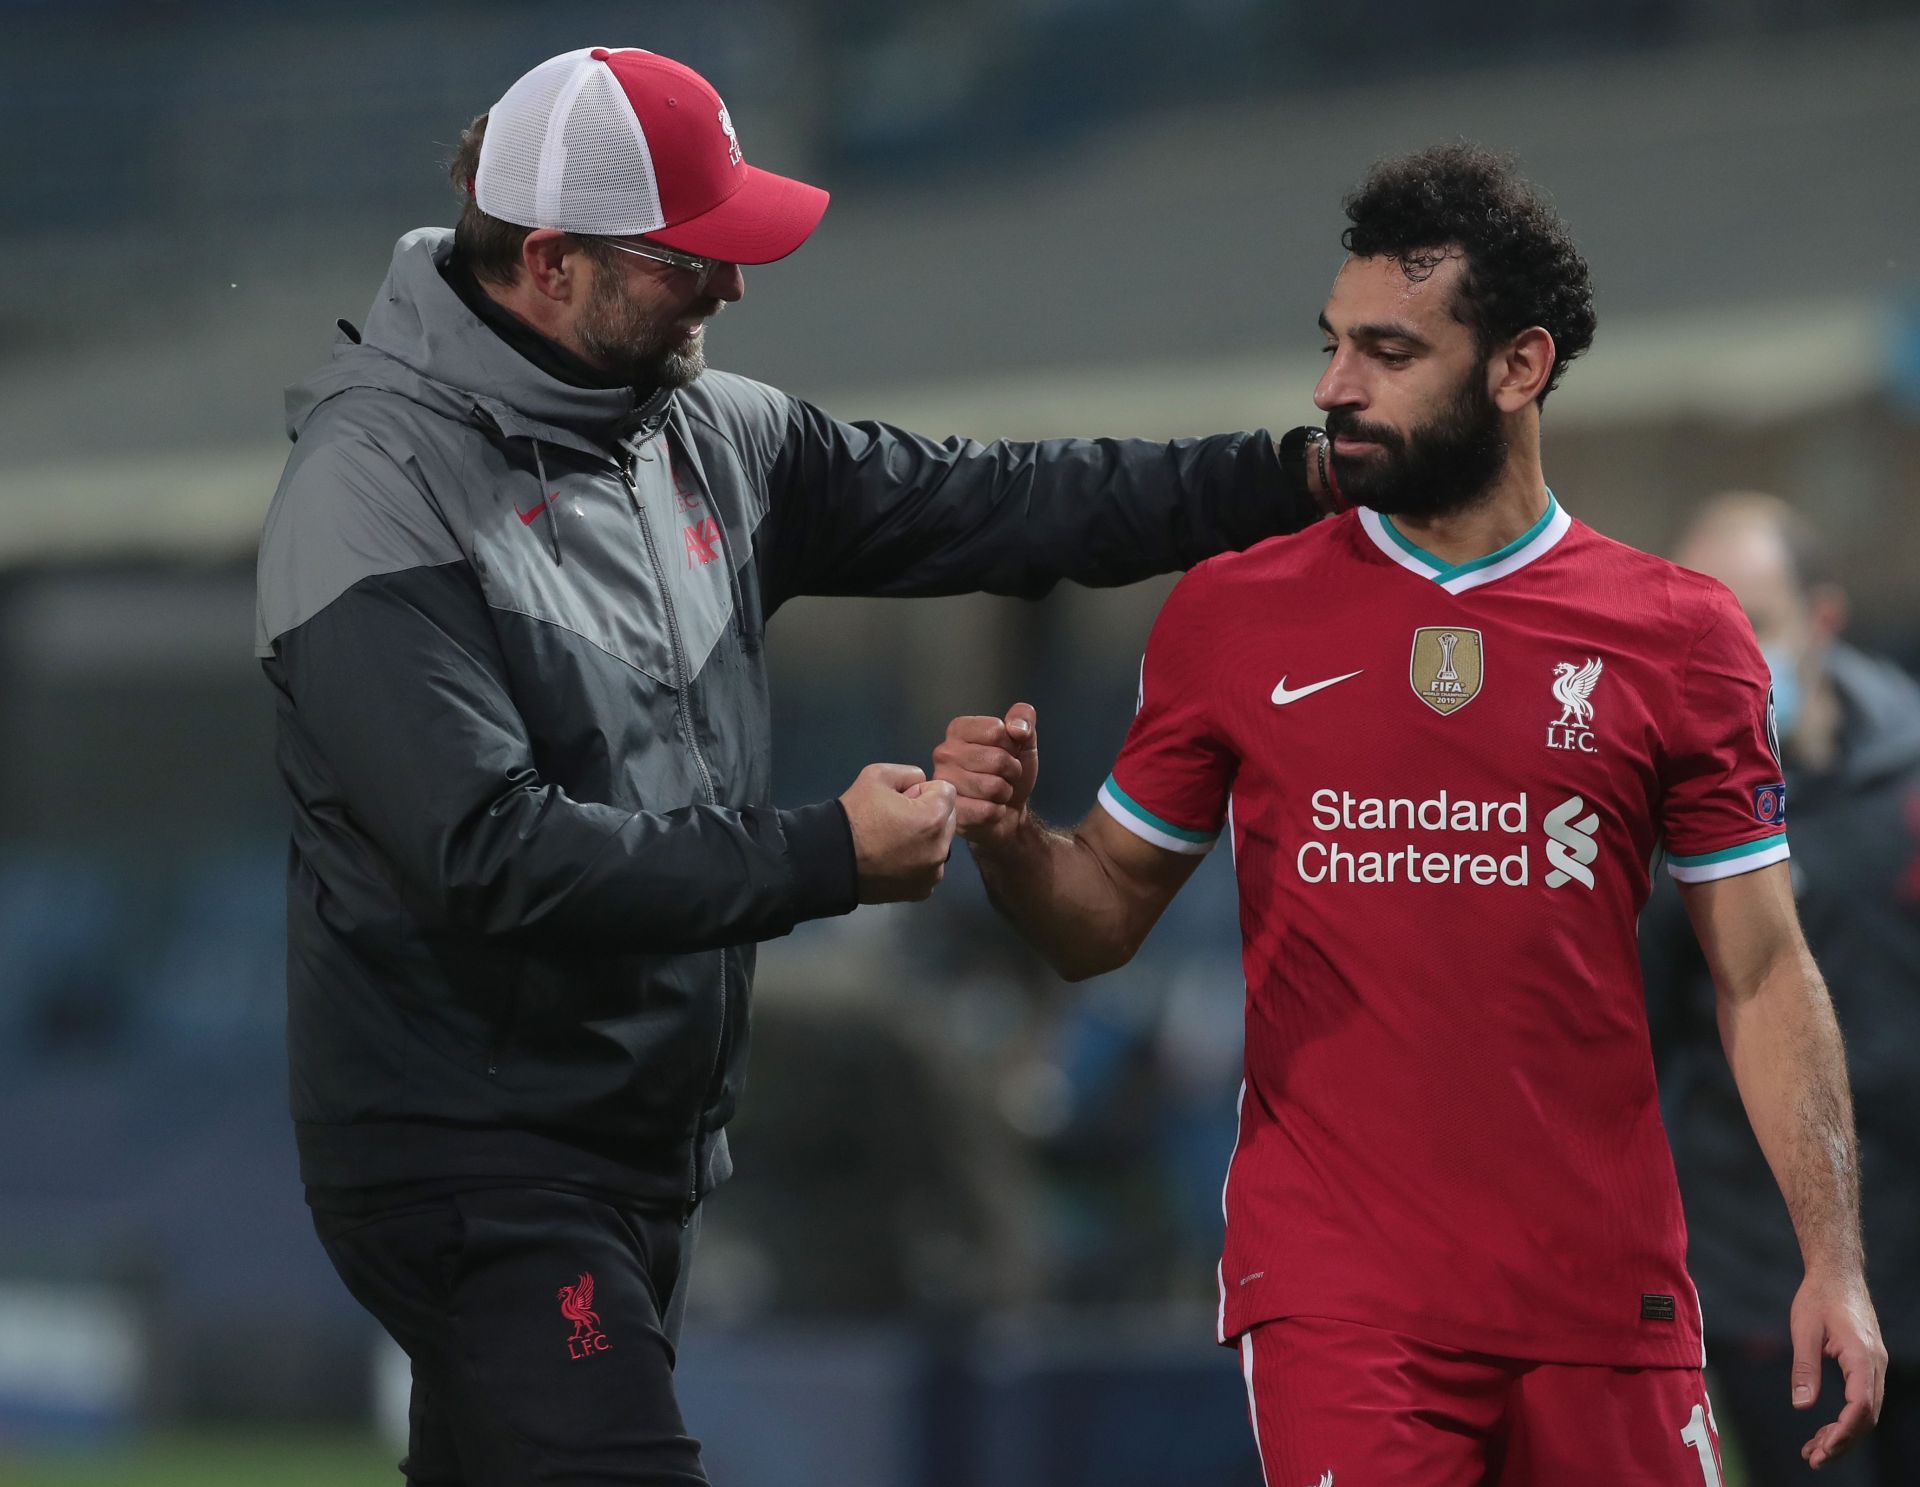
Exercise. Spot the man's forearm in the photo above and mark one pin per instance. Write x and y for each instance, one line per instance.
(1784, 1045)
(1058, 894)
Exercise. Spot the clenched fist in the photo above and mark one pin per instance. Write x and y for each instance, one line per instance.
(991, 763)
(902, 831)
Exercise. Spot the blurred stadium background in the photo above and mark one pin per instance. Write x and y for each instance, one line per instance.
(1050, 216)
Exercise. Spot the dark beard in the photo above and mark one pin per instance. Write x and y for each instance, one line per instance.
(621, 338)
(1445, 466)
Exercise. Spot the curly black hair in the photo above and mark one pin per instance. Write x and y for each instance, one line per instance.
(1521, 268)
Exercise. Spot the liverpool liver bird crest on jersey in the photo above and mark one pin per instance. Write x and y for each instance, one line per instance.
(1573, 690)
(576, 1305)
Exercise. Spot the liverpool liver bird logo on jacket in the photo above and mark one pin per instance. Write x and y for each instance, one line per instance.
(576, 1305)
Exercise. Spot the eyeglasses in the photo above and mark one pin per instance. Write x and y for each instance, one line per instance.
(702, 269)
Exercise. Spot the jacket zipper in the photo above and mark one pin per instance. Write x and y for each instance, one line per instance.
(683, 706)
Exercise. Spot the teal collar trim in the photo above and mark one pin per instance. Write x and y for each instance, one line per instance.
(1533, 543)
(1446, 572)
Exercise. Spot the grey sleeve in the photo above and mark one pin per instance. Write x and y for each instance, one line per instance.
(345, 510)
(397, 727)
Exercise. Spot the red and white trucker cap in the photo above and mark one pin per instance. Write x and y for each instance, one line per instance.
(620, 142)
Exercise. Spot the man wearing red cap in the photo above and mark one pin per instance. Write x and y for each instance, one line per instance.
(512, 596)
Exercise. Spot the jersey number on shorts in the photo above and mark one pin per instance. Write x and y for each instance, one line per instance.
(1695, 1435)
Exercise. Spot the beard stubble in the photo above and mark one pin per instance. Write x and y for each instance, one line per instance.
(1442, 467)
(637, 343)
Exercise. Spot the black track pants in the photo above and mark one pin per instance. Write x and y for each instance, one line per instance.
(542, 1328)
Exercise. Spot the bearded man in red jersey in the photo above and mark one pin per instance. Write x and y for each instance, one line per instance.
(1449, 733)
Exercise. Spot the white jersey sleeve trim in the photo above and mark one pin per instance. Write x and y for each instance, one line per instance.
(1712, 866)
(1149, 827)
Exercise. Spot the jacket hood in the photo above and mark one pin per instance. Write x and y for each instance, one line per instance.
(421, 342)
(1883, 715)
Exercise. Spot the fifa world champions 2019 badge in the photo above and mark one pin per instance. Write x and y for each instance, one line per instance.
(1447, 666)
(576, 1305)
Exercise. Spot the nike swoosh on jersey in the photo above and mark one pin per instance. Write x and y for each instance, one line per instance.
(1281, 696)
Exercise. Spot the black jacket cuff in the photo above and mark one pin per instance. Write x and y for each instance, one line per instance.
(1268, 504)
(826, 872)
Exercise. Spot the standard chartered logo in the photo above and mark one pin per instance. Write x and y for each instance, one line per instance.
(1570, 843)
(1445, 839)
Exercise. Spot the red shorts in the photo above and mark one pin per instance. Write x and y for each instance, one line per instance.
(1334, 1404)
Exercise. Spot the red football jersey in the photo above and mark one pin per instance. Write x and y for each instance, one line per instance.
(1446, 786)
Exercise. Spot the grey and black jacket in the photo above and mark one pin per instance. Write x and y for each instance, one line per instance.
(515, 628)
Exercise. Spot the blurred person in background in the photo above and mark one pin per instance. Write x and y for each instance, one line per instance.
(1849, 727)
(1446, 731)
(512, 596)
(884, 1182)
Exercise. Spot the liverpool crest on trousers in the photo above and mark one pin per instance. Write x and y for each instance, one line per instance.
(576, 1305)
(1449, 663)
